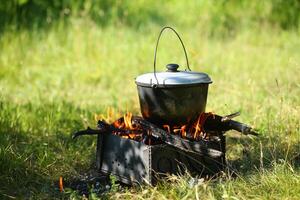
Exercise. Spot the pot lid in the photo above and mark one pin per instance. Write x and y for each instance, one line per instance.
(172, 78)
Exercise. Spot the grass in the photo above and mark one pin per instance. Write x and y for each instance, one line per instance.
(53, 81)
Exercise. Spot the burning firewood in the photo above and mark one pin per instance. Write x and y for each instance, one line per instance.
(131, 126)
(104, 128)
(173, 140)
(202, 139)
(139, 129)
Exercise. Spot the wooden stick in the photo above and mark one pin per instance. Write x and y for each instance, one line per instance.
(104, 128)
(200, 147)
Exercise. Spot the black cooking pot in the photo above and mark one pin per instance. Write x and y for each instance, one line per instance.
(172, 97)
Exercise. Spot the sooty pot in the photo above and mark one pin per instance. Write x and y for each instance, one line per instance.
(172, 97)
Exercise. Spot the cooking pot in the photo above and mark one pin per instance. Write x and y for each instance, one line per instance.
(172, 97)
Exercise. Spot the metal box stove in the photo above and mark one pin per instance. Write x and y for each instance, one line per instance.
(133, 162)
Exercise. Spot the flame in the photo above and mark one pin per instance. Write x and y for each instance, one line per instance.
(183, 131)
(195, 129)
(119, 124)
(132, 135)
(61, 184)
(98, 117)
(167, 127)
(110, 114)
(127, 121)
(177, 131)
(199, 129)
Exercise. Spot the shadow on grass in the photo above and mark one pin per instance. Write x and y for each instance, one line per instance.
(18, 174)
(36, 148)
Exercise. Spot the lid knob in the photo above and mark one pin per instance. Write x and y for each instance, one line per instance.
(172, 67)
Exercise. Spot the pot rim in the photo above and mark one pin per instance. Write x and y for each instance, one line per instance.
(173, 79)
(171, 86)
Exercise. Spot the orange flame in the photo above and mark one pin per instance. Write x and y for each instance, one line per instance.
(195, 129)
(61, 184)
(127, 121)
(183, 131)
(167, 127)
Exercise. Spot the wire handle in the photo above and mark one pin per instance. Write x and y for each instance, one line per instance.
(156, 47)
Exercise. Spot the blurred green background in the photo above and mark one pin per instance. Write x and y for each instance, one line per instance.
(216, 15)
(63, 62)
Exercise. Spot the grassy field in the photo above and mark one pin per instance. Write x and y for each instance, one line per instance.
(53, 81)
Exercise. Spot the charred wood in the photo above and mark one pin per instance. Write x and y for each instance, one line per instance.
(104, 128)
(220, 124)
(199, 147)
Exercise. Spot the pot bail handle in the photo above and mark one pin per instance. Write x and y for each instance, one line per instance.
(156, 47)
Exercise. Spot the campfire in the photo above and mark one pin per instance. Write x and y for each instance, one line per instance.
(136, 150)
(174, 134)
(131, 128)
(138, 129)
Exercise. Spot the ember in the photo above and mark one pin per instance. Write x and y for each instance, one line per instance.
(193, 130)
(127, 127)
(207, 126)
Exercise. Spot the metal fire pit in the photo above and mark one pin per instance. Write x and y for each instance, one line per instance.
(133, 162)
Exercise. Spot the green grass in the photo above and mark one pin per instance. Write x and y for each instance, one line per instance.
(53, 81)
